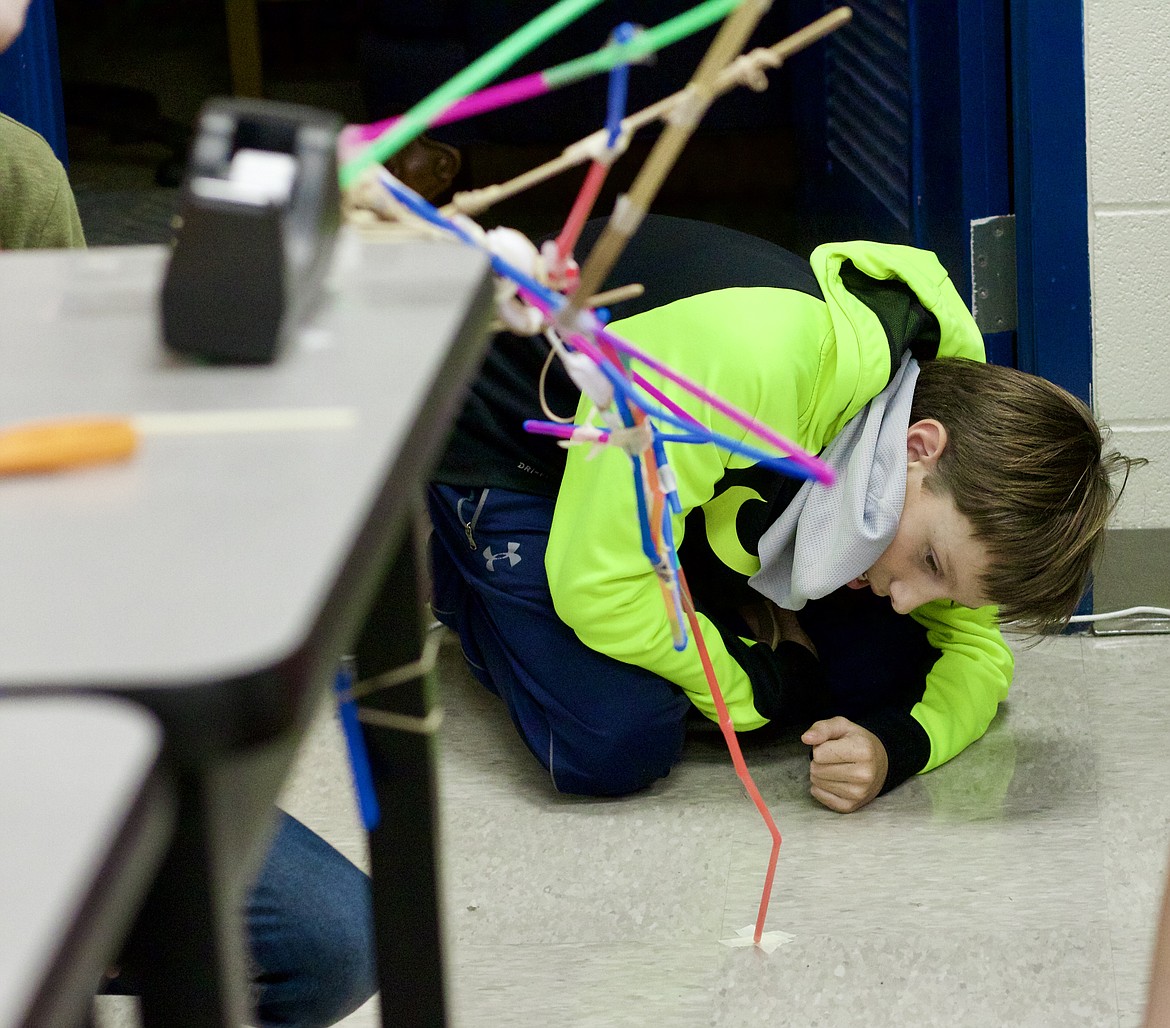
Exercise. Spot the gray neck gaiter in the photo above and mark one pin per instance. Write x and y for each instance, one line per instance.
(828, 536)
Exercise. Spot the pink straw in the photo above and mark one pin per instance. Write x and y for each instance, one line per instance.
(565, 431)
(666, 401)
(523, 88)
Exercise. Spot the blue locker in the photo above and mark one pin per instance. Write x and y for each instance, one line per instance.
(922, 116)
(30, 78)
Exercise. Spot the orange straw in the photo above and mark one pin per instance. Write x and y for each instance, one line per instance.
(728, 730)
(725, 723)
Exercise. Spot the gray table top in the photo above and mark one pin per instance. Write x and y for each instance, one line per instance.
(72, 771)
(210, 553)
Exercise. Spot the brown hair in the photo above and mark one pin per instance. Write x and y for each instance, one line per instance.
(1024, 463)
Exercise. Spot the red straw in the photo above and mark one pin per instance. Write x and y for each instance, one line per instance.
(582, 208)
(728, 730)
(606, 347)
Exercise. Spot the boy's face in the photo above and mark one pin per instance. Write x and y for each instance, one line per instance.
(933, 554)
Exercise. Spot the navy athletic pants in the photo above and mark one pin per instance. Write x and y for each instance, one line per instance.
(599, 726)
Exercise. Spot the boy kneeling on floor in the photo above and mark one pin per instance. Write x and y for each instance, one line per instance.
(866, 614)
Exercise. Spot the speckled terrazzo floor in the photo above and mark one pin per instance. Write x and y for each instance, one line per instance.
(1017, 885)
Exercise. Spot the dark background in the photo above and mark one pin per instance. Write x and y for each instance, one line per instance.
(135, 74)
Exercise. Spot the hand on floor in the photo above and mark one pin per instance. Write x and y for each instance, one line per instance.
(849, 764)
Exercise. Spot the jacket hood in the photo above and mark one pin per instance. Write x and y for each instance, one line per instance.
(866, 354)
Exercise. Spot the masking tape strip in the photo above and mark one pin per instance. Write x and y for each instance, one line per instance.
(635, 439)
(692, 105)
(627, 215)
(769, 941)
(282, 419)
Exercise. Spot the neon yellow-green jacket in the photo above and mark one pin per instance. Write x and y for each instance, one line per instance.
(804, 366)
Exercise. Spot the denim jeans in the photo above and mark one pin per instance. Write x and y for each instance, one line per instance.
(310, 933)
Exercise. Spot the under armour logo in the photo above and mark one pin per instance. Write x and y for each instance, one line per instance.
(512, 557)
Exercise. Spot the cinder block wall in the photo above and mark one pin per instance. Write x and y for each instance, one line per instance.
(1128, 124)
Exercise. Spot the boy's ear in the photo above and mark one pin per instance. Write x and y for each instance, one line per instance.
(925, 441)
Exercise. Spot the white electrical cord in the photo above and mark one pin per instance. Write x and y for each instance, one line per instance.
(1078, 619)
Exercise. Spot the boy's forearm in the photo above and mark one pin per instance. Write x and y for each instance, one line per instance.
(906, 742)
(968, 681)
(785, 685)
(960, 697)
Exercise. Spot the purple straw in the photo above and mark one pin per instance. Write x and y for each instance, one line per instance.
(666, 401)
(821, 471)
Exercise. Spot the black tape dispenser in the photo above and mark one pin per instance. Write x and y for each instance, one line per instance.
(259, 213)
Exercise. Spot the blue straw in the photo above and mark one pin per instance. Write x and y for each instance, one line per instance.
(784, 465)
(619, 81)
(639, 496)
(660, 456)
(417, 205)
(681, 636)
(355, 743)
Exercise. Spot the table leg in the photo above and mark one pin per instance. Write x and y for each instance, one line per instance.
(398, 723)
(187, 952)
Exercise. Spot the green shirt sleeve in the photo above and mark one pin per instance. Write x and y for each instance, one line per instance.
(37, 208)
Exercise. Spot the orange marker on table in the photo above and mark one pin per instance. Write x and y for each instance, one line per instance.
(69, 442)
(58, 445)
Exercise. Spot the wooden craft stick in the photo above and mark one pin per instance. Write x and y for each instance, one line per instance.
(611, 296)
(604, 299)
(681, 123)
(476, 201)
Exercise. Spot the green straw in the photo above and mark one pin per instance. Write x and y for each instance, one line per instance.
(642, 45)
(497, 60)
